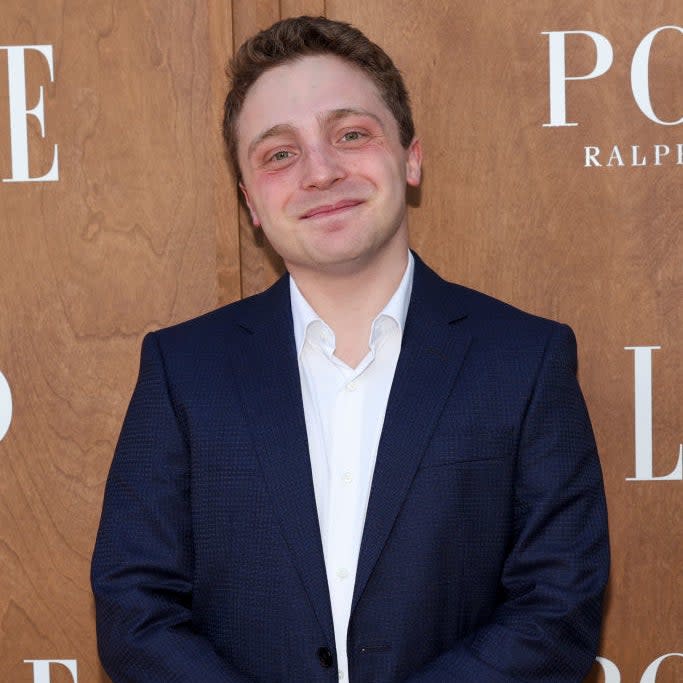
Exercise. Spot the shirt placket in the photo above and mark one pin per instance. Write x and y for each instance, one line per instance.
(342, 543)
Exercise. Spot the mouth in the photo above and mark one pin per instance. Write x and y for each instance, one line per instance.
(331, 209)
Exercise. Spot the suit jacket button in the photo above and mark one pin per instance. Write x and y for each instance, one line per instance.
(325, 657)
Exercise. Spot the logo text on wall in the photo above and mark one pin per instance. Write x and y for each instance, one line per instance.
(5, 406)
(668, 152)
(642, 362)
(20, 111)
(41, 668)
(613, 675)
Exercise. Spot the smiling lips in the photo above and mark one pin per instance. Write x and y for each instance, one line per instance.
(329, 209)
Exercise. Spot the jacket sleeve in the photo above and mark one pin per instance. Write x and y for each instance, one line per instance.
(547, 624)
(143, 559)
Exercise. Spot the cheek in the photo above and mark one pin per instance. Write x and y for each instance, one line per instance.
(273, 202)
(275, 184)
(384, 165)
(265, 196)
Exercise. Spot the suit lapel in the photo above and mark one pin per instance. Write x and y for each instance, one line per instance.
(432, 351)
(271, 393)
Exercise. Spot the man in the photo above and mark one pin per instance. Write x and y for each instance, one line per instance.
(365, 472)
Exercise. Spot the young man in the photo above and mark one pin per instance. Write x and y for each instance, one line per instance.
(364, 473)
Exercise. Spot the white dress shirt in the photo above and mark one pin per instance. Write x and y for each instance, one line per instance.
(344, 409)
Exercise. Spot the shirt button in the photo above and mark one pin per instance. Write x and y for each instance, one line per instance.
(351, 386)
(347, 477)
(342, 573)
(341, 675)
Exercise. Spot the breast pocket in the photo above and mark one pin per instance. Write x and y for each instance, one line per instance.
(470, 445)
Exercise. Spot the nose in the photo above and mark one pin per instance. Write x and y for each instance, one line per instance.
(321, 168)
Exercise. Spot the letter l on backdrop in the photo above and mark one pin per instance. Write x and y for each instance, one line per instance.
(643, 418)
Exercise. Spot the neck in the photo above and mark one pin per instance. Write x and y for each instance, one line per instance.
(349, 302)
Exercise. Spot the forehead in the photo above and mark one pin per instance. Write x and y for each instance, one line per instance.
(297, 92)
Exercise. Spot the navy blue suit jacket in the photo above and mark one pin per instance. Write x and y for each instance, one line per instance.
(484, 554)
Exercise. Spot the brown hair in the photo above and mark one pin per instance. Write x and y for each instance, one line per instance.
(289, 39)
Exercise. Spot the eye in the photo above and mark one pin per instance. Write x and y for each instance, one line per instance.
(352, 136)
(280, 155)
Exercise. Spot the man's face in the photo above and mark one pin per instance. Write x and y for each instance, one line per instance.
(324, 173)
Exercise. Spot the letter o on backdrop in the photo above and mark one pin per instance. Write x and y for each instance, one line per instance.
(5, 406)
(612, 674)
(650, 674)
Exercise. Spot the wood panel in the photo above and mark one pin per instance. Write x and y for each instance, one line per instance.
(143, 229)
(123, 243)
(225, 210)
(507, 207)
(297, 8)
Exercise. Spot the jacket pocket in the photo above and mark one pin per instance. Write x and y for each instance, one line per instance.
(469, 446)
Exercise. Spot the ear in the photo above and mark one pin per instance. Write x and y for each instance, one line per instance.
(254, 216)
(414, 163)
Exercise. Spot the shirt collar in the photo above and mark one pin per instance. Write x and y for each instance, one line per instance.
(303, 314)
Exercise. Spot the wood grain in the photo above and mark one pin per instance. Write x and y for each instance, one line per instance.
(508, 208)
(143, 229)
(225, 204)
(125, 242)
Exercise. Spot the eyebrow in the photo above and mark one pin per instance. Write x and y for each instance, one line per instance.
(288, 128)
(337, 114)
(279, 129)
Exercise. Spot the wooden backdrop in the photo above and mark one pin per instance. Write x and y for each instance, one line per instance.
(143, 229)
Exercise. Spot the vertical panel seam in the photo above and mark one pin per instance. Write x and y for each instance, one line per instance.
(237, 204)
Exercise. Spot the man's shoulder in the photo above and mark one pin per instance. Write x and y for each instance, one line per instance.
(483, 311)
(485, 307)
(223, 323)
(502, 333)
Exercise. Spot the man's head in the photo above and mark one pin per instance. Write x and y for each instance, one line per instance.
(294, 38)
(322, 157)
